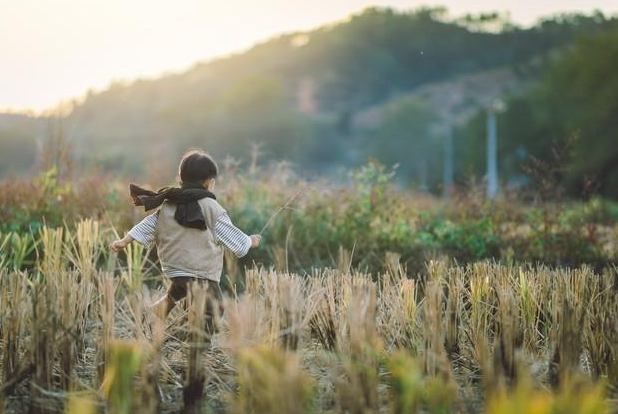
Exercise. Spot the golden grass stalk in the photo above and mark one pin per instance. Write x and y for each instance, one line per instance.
(485, 322)
(434, 353)
(83, 247)
(123, 364)
(13, 317)
(601, 330)
(52, 259)
(575, 396)
(568, 319)
(452, 313)
(149, 330)
(280, 259)
(398, 313)
(248, 323)
(4, 250)
(151, 368)
(71, 298)
(325, 322)
(271, 381)
(411, 392)
(43, 329)
(107, 303)
(529, 288)
(199, 340)
(357, 385)
(508, 338)
(481, 303)
(406, 383)
(137, 258)
(80, 404)
(286, 304)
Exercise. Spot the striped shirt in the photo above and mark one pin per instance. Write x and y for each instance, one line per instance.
(225, 232)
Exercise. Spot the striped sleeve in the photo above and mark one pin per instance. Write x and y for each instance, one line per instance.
(231, 236)
(144, 232)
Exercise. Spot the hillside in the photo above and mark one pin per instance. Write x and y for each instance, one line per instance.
(300, 94)
(20, 136)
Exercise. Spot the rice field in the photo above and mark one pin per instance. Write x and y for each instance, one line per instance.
(78, 335)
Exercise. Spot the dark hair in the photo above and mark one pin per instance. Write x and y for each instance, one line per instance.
(197, 166)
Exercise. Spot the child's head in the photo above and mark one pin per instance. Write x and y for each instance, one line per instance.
(198, 167)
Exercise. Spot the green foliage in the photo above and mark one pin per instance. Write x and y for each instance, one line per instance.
(27, 205)
(466, 240)
(404, 137)
(368, 218)
(373, 217)
(16, 250)
(370, 60)
(118, 381)
(381, 51)
(406, 384)
(137, 258)
(579, 99)
(574, 106)
(412, 390)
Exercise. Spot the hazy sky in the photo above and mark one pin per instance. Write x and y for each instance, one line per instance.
(58, 49)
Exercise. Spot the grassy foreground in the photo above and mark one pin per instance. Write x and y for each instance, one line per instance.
(81, 338)
(364, 299)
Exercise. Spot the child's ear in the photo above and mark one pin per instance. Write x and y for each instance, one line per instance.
(210, 184)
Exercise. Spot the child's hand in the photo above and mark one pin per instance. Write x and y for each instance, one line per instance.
(119, 245)
(256, 239)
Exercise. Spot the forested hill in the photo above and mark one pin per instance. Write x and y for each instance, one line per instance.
(297, 94)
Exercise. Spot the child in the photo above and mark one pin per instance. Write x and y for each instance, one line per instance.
(189, 229)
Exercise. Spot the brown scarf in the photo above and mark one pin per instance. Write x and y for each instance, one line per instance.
(188, 211)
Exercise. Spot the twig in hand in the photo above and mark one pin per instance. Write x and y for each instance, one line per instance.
(287, 204)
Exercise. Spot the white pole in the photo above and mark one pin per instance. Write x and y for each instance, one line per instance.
(447, 172)
(492, 154)
(423, 175)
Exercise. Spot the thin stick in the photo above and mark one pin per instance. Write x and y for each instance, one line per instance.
(287, 204)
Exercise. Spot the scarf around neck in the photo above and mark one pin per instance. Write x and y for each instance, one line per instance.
(188, 211)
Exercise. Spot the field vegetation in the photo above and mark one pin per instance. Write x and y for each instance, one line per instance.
(370, 293)
(363, 299)
(367, 218)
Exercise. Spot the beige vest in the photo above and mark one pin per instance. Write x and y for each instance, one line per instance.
(192, 250)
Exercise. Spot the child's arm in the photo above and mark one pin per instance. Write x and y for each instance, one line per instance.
(143, 233)
(233, 238)
(120, 244)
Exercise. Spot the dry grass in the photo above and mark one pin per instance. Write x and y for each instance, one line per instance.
(481, 338)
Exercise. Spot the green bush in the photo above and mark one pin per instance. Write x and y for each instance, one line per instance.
(367, 218)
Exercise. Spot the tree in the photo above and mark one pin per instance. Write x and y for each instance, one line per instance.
(255, 110)
(578, 98)
(575, 101)
(404, 137)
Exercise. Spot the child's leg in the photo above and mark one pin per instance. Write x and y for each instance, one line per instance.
(176, 292)
(214, 306)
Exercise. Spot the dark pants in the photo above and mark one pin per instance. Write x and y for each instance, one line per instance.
(180, 287)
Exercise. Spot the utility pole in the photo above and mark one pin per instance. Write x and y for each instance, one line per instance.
(492, 149)
(447, 172)
(422, 176)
